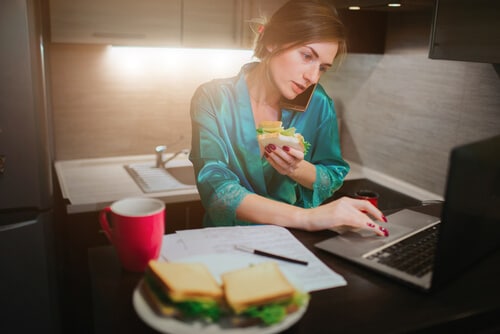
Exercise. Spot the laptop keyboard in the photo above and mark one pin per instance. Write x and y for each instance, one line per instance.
(413, 255)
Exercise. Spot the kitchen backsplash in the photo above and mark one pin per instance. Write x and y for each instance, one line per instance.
(113, 101)
(401, 112)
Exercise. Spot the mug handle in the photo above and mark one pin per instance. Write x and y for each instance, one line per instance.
(103, 219)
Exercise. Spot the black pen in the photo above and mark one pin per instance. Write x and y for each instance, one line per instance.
(271, 255)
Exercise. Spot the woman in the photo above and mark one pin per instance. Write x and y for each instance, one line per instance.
(238, 183)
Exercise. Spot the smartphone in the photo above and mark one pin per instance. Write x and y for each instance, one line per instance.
(300, 102)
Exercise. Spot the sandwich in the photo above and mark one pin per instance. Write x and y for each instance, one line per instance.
(182, 290)
(260, 294)
(272, 132)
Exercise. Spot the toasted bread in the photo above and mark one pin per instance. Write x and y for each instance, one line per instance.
(271, 125)
(186, 280)
(279, 140)
(256, 285)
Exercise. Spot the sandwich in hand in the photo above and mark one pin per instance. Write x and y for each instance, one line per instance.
(272, 132)
(182, 290)
(261, 294)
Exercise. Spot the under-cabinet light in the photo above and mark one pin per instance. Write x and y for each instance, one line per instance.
(176, 62)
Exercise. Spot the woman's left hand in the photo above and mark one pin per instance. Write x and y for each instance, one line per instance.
(284, 159)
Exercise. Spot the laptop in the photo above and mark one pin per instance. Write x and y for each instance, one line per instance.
(425, 251)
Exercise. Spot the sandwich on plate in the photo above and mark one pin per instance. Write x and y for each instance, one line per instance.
(256, 295)
(272, 132)
(182, 290)
(261, 294)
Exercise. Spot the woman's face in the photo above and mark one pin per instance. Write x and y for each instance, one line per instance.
(297, 68)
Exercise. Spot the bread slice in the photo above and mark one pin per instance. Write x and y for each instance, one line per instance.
(156, 304)
(271, 126)
(279, 140)
(184, 281)
(256, 285)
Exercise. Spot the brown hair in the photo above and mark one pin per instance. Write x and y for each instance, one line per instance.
(299, 22)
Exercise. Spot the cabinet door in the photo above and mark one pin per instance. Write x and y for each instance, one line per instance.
(211, 24)
(119, 22)
(466, 31)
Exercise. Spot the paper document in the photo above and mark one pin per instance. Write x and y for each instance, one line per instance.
(269, 238)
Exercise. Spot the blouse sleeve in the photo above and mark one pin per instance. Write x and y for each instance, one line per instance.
(219, 187)
(325, 154)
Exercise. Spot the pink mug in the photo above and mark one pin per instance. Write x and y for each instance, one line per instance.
(136, 230)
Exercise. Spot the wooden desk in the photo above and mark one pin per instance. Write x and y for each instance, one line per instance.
(370, 303)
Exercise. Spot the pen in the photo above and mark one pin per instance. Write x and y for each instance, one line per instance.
(271, 255)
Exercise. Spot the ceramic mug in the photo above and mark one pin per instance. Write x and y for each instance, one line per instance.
(369, 195)
(135, 228)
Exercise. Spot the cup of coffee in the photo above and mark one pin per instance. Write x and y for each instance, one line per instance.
(369, 195)
(135, 227)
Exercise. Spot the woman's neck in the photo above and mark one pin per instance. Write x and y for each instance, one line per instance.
(260, 87)
(264, 96)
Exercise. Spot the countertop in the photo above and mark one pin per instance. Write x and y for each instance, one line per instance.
(92, 184)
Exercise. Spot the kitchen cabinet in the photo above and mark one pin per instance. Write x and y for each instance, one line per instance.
(211, 24)
(466, 30)
(187, 23)
(119, 22)
(366, 30)
(174, 23)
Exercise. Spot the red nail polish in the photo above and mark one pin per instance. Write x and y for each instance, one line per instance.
(384, 218)
(383, 229)
(268, 148)
(272, 147)
(370, 225)
(286, 148)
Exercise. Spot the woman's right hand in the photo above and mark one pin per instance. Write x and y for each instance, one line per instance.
(347, 213)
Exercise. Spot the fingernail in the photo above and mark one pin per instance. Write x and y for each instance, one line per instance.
(272, 147)
(286, 148)
(268, 148)
(384, 218)
(372, 225)
(266, 155)
(383, 229)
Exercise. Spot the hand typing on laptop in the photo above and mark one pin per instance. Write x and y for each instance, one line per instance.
(349, 214)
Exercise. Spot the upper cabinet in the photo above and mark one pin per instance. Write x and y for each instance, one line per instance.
(120, 22)
(178, 23)
(188, 23)
(466, 30)
(211, 24)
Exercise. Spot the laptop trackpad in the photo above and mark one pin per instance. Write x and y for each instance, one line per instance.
(365, 240)
(354, 244)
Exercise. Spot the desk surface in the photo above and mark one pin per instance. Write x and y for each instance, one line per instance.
(370, 302)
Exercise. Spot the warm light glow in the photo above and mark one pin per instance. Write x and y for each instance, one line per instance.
(177, 62)
(354, 8)
(395, 4)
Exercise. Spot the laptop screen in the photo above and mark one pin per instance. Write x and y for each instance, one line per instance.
(470, 226)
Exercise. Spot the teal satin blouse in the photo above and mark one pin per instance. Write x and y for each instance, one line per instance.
(226, 155)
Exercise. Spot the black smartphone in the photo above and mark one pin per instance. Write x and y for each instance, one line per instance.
(300, 102)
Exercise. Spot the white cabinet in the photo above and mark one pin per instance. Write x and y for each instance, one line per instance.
(186, 23)
(214, 23)
(129, 22)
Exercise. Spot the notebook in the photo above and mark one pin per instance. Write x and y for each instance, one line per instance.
(438, 248)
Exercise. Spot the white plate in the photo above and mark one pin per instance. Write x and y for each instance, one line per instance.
(217, 263)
